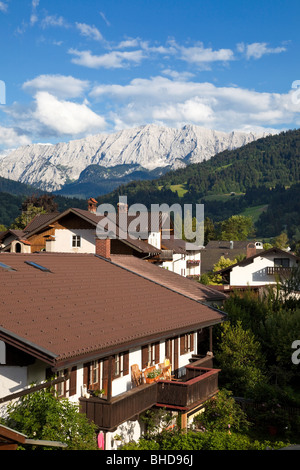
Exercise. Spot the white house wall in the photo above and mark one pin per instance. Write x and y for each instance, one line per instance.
(63, 241)
(255, 273)
(178, 265)
(154, 239)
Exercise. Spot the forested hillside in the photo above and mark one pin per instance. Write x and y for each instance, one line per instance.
(264, 174)
(266, 162)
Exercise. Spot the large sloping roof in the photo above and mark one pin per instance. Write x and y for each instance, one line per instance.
(87, 306)
(185, 286)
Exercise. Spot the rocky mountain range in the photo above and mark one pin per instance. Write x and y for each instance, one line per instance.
(107, 160)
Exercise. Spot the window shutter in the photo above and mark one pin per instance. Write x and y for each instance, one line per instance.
(73, 381)
(86, 374)
(192, 341)
(181, 345)
(144, 356)
(105, 376)
(126, 363)
(176, 362)
(156, 353)
(168, 349)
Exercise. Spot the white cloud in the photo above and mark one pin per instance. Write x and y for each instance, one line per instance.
(128, 43)
(53, 21)
(65, 117)
(258, 49)
(200, 55)
(104, 18)
(89, 31)
(111, 60)
(59, 85)
(177, 102)
(34, 17)
(3, 7)
(11, 138)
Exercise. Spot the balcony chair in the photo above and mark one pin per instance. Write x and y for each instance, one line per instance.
(136, 375)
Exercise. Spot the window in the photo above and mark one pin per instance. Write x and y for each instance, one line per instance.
(61, 387)
(186, 343)
(150, 355)
(38, 266)
(121, 364)
(94, 373)
(281, 262)
(76, 241)
(6, 267)
(2, 353)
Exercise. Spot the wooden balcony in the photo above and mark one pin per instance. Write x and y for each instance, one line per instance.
(198, 385)
(278, 270)
(124, 407)
(164, 255)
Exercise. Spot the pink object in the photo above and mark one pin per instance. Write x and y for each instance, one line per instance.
(101, 441)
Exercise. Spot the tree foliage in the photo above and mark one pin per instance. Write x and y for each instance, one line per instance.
(240, 358)
(42, 416)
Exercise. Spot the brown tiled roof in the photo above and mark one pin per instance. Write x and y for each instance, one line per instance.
(141, 245)
(174, 244)
(213, 251)
(146, 223)
(185, 286)
(87, 307)
(39, 220)
(17, 233)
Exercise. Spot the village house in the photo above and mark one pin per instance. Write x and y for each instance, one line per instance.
(215, 249)
(260, 268)
(96, 326)
(75, 231)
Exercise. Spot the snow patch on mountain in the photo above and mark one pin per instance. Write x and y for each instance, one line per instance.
(50, 167)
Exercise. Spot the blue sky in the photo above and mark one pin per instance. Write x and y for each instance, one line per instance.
(72, 68)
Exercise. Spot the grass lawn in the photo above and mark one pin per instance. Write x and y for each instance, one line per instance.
(254, 211)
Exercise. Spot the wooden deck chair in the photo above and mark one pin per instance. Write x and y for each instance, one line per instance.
(136, 375)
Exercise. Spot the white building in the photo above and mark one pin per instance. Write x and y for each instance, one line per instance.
(89, 323)
(262, 268)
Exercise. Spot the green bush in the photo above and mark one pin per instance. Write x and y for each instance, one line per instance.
(209, 440)
(222, 413)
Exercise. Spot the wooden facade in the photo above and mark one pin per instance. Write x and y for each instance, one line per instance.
(199, 384)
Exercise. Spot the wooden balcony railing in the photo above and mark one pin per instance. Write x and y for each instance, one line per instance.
(272, 270)
(198, 385)
(109, 414)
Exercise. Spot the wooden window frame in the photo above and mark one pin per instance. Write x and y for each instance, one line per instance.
(186, 343)
(150, 354)
(122, 361)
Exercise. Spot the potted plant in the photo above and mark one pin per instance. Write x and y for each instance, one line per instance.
(118, 439)
(153, 376)
(97, 392)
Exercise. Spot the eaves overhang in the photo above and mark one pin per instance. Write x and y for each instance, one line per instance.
(27, 346)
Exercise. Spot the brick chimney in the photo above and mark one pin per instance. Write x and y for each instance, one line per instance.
(92, 205)
(103, 247)
(251, 250)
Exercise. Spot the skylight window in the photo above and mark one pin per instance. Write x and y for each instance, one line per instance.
(6, 267)
(38, 266)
